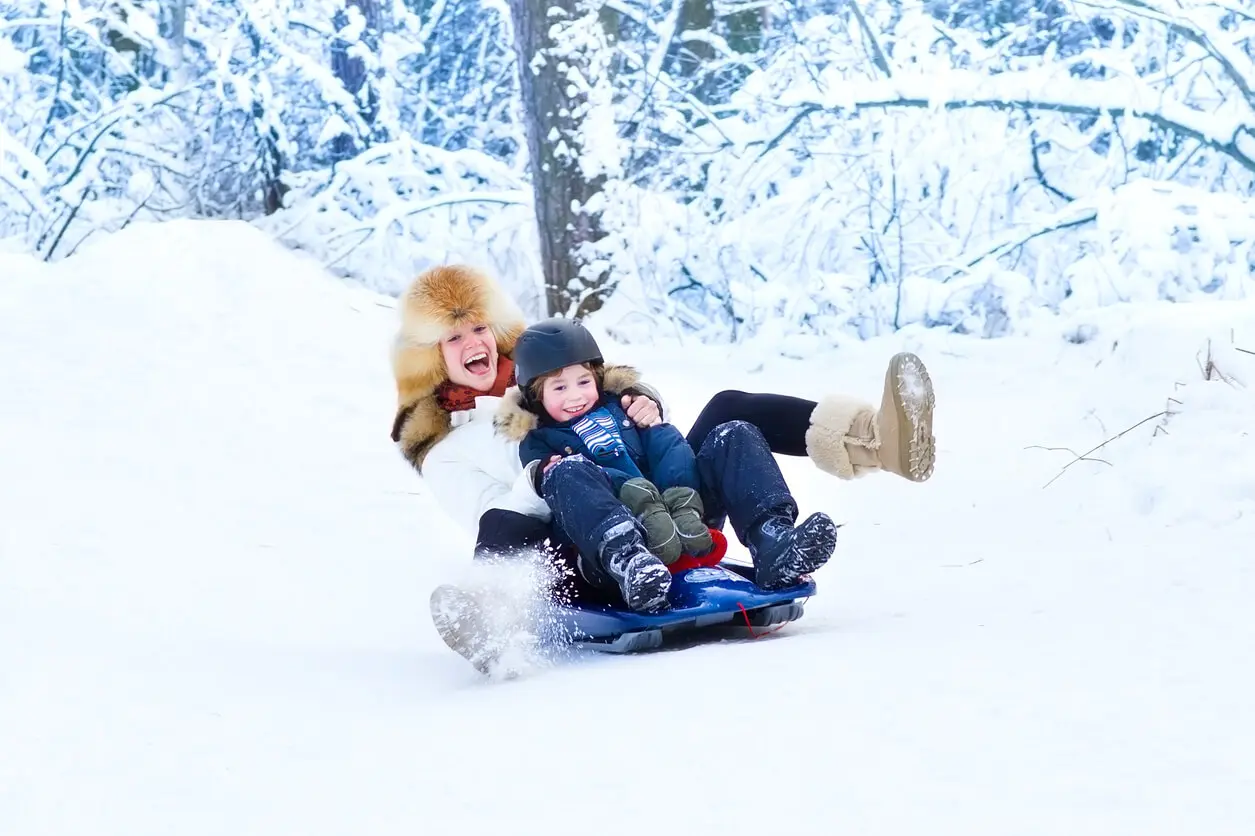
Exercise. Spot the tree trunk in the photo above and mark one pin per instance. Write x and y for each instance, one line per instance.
(575, 282)
(687, 58)
(352, 72)
(271, 162)
(744, 30)
(173, 28)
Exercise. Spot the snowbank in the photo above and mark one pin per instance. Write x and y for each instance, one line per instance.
(16, 266)
(1178, 381)
(215, 572)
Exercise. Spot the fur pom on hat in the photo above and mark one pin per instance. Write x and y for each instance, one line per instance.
(441, 298)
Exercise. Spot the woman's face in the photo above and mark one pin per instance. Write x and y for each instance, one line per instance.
(470, 355)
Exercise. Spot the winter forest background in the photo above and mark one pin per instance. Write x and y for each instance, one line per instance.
(722, 168)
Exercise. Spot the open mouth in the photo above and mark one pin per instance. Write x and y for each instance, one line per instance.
(477, 364)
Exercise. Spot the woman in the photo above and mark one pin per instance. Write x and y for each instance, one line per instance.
(452, 360)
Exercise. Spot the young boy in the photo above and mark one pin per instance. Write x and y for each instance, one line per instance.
(652, 470)
(588, 460)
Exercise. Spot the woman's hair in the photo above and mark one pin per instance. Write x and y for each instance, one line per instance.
(536, 389)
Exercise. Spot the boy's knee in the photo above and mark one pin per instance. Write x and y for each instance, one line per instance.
(733, 431)
(570, 465)
(568, 469)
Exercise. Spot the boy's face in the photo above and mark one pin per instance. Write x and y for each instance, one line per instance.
(569, 394)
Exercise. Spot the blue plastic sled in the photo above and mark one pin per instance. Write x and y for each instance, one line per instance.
(705, 597)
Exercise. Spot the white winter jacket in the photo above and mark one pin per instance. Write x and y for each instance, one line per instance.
(473, 469)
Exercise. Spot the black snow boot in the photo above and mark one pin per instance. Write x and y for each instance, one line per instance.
(643, 579)
(784, 553)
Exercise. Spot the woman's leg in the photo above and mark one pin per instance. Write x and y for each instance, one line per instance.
(782, 419)
(504, 533)
(510, 535)
(843, 435)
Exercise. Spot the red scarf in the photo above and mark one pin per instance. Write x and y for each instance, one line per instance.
(455, 397)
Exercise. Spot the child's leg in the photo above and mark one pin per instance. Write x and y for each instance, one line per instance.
(673, 467)
(612, 552)
(742, 479)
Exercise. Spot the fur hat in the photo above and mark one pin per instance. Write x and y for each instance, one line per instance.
(441, 298)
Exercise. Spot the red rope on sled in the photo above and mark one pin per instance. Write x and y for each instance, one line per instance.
(714, 558)
(745, 614)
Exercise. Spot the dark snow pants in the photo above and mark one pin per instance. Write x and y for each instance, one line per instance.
(584, 509)
(781, 421)
(740, 483)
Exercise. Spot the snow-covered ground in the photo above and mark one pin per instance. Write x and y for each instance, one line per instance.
(214, 569)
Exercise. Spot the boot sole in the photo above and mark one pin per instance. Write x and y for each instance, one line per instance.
(458, 617)
(649, 586)
(813, 544)
(913, 401)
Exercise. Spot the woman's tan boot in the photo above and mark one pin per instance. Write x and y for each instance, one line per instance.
(849, 438)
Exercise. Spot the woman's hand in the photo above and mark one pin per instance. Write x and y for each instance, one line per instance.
(552, 461)
(642, 410)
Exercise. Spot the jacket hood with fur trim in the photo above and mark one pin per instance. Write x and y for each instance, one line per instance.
(441, 298)
(514, 421)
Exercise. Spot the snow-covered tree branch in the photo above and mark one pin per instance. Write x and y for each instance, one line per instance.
(721, 167)
(1228, 133)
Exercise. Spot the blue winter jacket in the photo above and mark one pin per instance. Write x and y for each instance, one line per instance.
(659, 453)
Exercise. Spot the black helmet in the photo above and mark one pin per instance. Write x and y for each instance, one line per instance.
(551, 345)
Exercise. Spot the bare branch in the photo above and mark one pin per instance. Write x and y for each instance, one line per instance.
(878, 55)
(1211, 370)
(88, 194)
(663, 79)
(1077, 456)
(802, 113)
(1031, 91)
(1019, 239)
(131, 108)
(962, 565)
(1034, 145)
(1187, 27)
(1085, 456)
(385, 218)
(1233, 9)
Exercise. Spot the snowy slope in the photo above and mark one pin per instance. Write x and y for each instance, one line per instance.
(214, 569)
